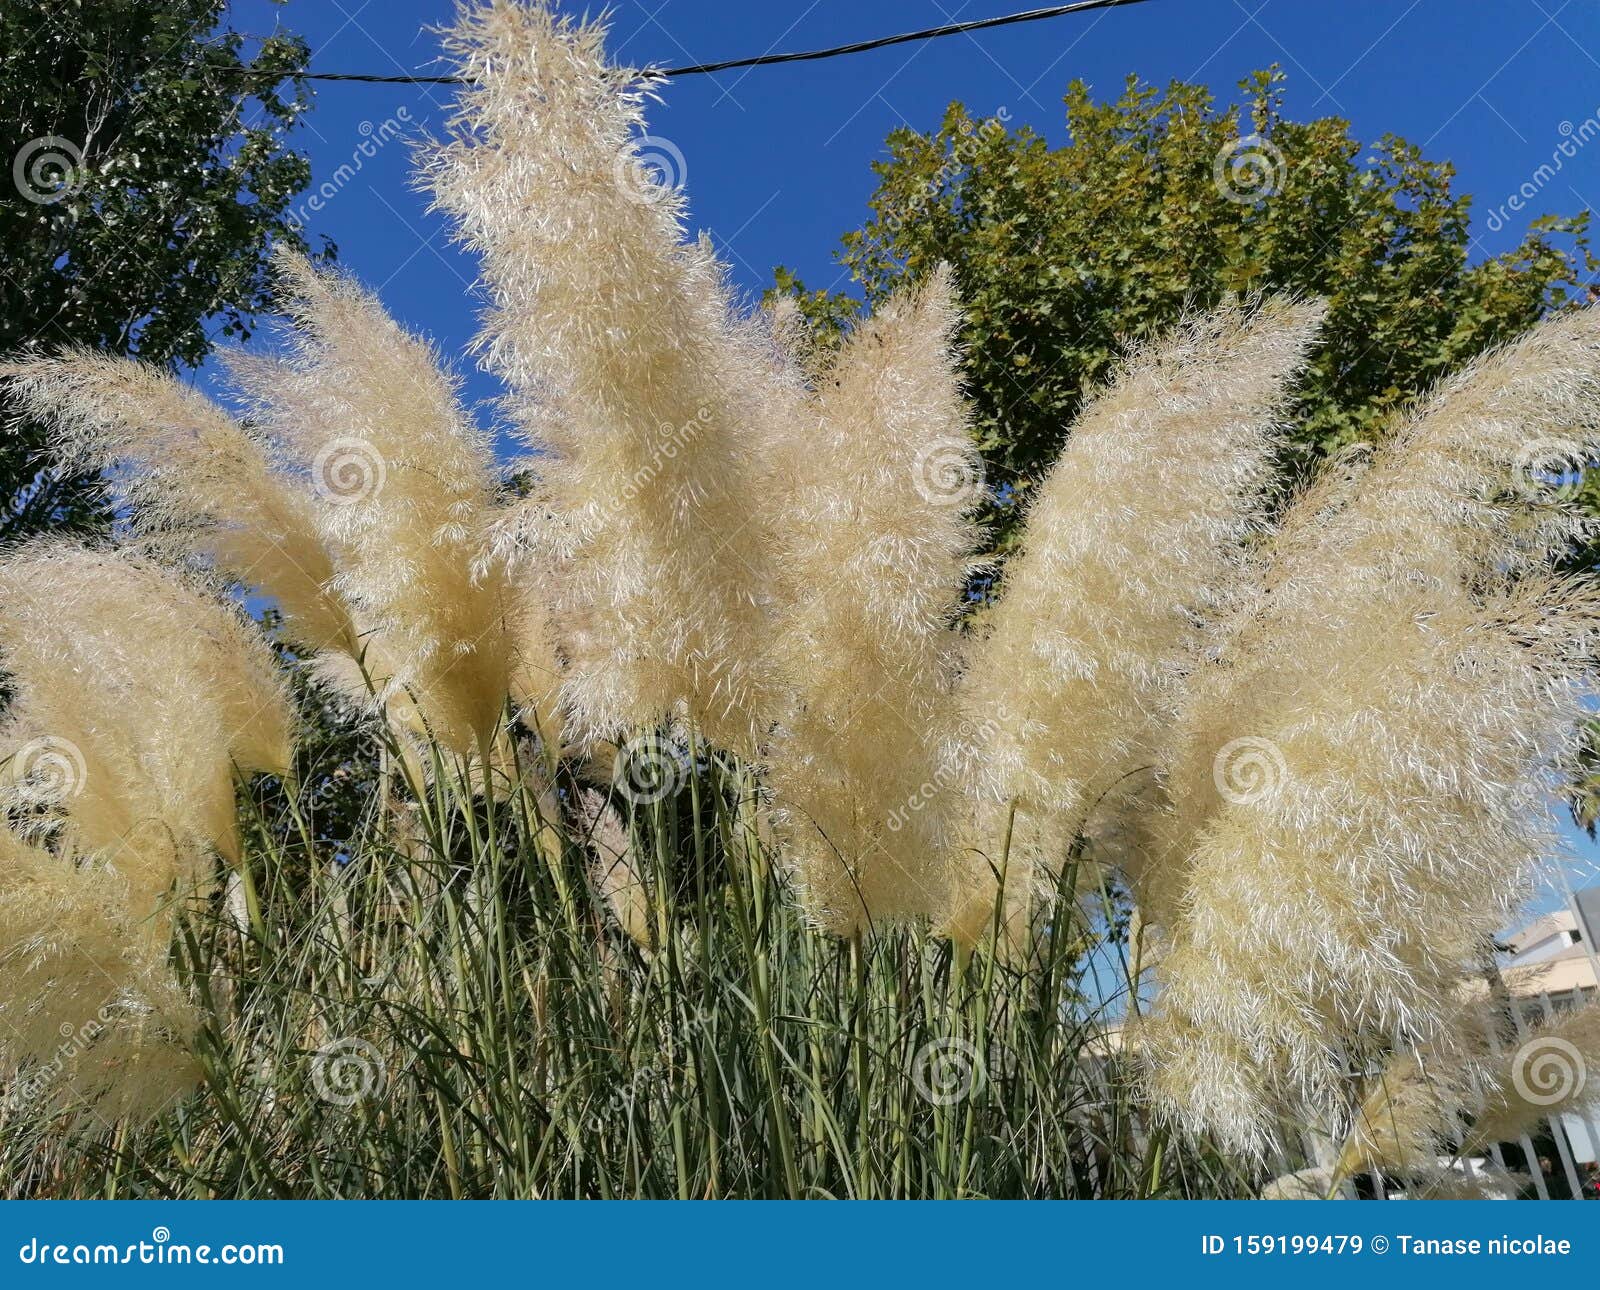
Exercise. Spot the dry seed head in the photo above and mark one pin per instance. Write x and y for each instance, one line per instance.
(1413, 680)
(196, 481)
(402, 489)
(873, 555)
(614, 872)
(159, 693)
(1132, 540)
(630, 378)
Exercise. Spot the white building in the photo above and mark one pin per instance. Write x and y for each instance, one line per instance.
(1548, 956)
(1547, 967)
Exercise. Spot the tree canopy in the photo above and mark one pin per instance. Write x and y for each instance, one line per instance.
(1163, 200)
(148, 174)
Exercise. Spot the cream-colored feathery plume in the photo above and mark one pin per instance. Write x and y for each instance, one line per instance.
(1374, 836)
(1467, 490)
(194, 478)
(93, 1021)
(360, 500)
(1303, 1184)
(137, 698)
(1413, 1108)
(1360, 780)
(534, 651)
(874, 554)
(1437, 1103)
(615, 875)
(1131, 540)
(1551, 1069)
(403, 491)
(629, 378)
(1519, 419)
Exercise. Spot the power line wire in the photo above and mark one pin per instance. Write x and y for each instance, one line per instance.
(761, 60)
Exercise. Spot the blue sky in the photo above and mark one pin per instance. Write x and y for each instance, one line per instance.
(776, 159)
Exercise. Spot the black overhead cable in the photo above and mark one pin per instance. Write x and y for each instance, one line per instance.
(761, 60)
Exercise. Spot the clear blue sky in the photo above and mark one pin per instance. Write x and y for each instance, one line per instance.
(777, 158)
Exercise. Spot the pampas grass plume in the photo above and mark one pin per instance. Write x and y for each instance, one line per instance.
(1130, 543)
(875, 550)
(632, 382)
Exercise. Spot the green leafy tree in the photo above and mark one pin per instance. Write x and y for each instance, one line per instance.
(146, 173)
(1162, 200)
